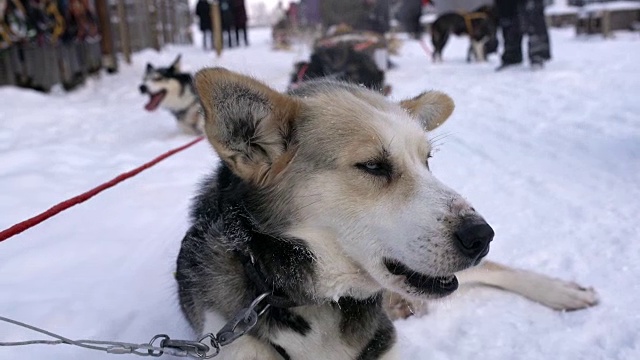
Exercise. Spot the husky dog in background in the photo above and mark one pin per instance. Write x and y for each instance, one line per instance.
(324, 201)
(173, 90)
(481, 25)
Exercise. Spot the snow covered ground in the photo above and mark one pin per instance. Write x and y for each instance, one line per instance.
(551, 158)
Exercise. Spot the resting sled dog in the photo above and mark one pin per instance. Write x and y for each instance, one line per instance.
(325, 202)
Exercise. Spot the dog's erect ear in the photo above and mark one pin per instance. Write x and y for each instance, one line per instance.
(149, 68)
(175, 65)
(432, 108)
(249, 124)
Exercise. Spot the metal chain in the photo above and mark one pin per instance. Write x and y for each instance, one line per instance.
(206, 347)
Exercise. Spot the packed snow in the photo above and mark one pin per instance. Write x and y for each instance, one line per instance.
(551, 158)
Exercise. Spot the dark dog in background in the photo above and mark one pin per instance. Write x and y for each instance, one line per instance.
(341, 62)
(480, 25)
(349, 57)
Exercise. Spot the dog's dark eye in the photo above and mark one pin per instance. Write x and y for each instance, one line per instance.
(427, 162)
(376, 167)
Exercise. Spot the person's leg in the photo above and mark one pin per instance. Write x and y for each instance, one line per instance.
(229, 38)
(246, 37)
(536, 28)
(511, 32)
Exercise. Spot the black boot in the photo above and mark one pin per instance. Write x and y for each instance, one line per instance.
(532, 12)
(510, 24)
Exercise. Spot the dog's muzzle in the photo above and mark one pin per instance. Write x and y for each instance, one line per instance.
(144, 89)
(472, 238)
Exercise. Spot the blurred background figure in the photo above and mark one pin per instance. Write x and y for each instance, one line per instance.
(281, 28)
(378, 19)
(203, 12)
(228, 20)
(240, 21)
(518, 17)
(409, 14)
(293, 15)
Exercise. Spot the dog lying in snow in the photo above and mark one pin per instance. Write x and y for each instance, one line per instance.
(355, 57)
(324, 201)
(171, 89)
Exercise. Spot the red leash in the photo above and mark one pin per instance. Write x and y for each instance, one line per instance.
(29, 223)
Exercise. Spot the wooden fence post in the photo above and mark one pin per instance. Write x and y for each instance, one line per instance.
(189, 23)
(216, 32)
(123, 27)
(174, 25)
(152, 8)
(109, 59)
(164, 22)
(606, 24)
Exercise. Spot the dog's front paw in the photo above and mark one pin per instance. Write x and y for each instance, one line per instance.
(566, 295)
(398, 307)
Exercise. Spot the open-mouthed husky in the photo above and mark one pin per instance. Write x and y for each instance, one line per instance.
(325, 202)
(171, 89)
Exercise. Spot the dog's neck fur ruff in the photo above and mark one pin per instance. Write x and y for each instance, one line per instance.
(267, 259)
(248, 262)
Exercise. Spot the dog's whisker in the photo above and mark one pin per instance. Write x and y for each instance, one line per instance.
(437, 139)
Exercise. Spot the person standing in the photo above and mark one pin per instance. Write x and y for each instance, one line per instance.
(227, 19)
(378, 16)
(410, 13)
(203, 12)
(519, 17)
(240, 20)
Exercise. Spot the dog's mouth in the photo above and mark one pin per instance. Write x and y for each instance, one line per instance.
(424, 284)
(155, 99)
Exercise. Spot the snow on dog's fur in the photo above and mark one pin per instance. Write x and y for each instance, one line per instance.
(324, 199)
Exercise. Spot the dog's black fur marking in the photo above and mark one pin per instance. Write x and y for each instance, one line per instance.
(283, 318)
(382, 340)
(185, 79)
(222, 225)
(358, 317)
(282, 352)
(286, 264)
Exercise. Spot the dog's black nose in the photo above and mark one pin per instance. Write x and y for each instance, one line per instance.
(473, 237)
(143, 89)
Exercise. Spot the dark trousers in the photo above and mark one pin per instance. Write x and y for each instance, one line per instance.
(227, 30)
(206, 39)
(244, 31)
(520, 17)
